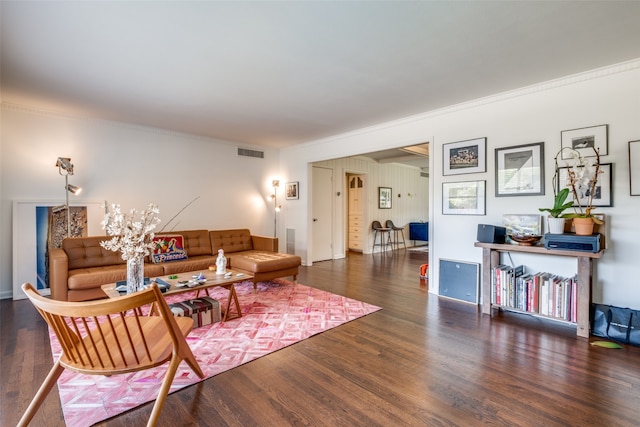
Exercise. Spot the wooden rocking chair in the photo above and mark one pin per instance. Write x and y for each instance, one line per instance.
(108, 337)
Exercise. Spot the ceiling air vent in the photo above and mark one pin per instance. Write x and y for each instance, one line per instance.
(250, 153)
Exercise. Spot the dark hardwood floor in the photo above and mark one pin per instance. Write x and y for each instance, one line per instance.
(421, 361)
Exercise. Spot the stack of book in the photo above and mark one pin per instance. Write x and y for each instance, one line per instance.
(541, 293)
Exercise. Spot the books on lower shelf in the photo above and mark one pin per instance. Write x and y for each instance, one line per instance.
(541, 293)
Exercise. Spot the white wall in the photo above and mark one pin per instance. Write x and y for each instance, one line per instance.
(296, 166)
(538, 113)
(172, 169)
(131, 166)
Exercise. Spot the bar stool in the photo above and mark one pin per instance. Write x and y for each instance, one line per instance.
(384, 232)
(389, 224)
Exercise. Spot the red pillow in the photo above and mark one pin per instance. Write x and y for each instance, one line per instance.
(168, 247)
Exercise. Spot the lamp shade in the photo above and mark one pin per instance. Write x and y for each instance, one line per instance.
(74, 189)
(64, 163)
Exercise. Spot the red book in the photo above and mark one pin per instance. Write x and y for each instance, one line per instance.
(535, 294)
(574, 300)
(499, 284)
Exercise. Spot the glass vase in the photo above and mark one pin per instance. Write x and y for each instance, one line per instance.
(135, 275)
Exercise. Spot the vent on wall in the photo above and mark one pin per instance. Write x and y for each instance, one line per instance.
(250, 153)
(460, 280)
(291, 241)
(424, 174)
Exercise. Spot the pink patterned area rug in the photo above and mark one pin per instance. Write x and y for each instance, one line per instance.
(278, 315)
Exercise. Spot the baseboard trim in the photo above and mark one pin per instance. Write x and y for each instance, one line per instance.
(6, 295)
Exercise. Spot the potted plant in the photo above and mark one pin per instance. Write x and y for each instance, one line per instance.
(556, 220)
(582, 182)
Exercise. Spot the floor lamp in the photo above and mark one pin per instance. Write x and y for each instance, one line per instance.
(65, 168)
(276, 207)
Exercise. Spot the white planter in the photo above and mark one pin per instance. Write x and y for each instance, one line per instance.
(555, 225)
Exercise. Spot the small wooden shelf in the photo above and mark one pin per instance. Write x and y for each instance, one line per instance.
(543, 316)
(491, 258)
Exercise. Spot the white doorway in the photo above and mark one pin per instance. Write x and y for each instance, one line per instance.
(322, 214)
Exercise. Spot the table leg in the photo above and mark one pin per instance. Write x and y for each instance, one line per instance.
(584, 296)
(232, 297)
(153, 310)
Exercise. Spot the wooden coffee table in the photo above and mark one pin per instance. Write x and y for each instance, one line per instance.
(213, 280)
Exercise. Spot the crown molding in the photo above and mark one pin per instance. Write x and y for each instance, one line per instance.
(499, 97)
(27, 109)
(597, 73)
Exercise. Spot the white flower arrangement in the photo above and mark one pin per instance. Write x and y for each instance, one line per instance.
(132, 236)
(582, 180)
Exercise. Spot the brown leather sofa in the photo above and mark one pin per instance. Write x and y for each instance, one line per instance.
(79, 269)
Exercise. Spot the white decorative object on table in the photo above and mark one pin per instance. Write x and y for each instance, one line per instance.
(133, 237)
(221, 263)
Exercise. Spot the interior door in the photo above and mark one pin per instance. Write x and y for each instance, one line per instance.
(322, 228)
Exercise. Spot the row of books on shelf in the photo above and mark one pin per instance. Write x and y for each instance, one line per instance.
(541, 293)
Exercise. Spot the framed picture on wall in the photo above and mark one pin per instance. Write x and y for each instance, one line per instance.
(464, 157)
(634, 167)
(584, 140)
(521, 224)
(384, 197)
(291, 190)
(520, 170)
(41, 225)
(602, 195)
(463, 198)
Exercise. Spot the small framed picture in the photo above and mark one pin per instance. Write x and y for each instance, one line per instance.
(291, 190)
(602, 195)
(520, 170)
(634, 167)
(464, 157)
(463, 198)
(384, 197)
(585, 140)
(521, 224)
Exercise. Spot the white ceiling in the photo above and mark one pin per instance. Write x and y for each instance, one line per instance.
(278, 73)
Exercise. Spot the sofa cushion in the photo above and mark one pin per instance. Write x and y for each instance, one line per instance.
(263, 261)
(86, 252)
(201, 262)
(231, 241)
(168, 247)
(85, 294)
(196, 242)
(87, 278)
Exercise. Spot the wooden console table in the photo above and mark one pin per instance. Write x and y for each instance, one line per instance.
(491, 258)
